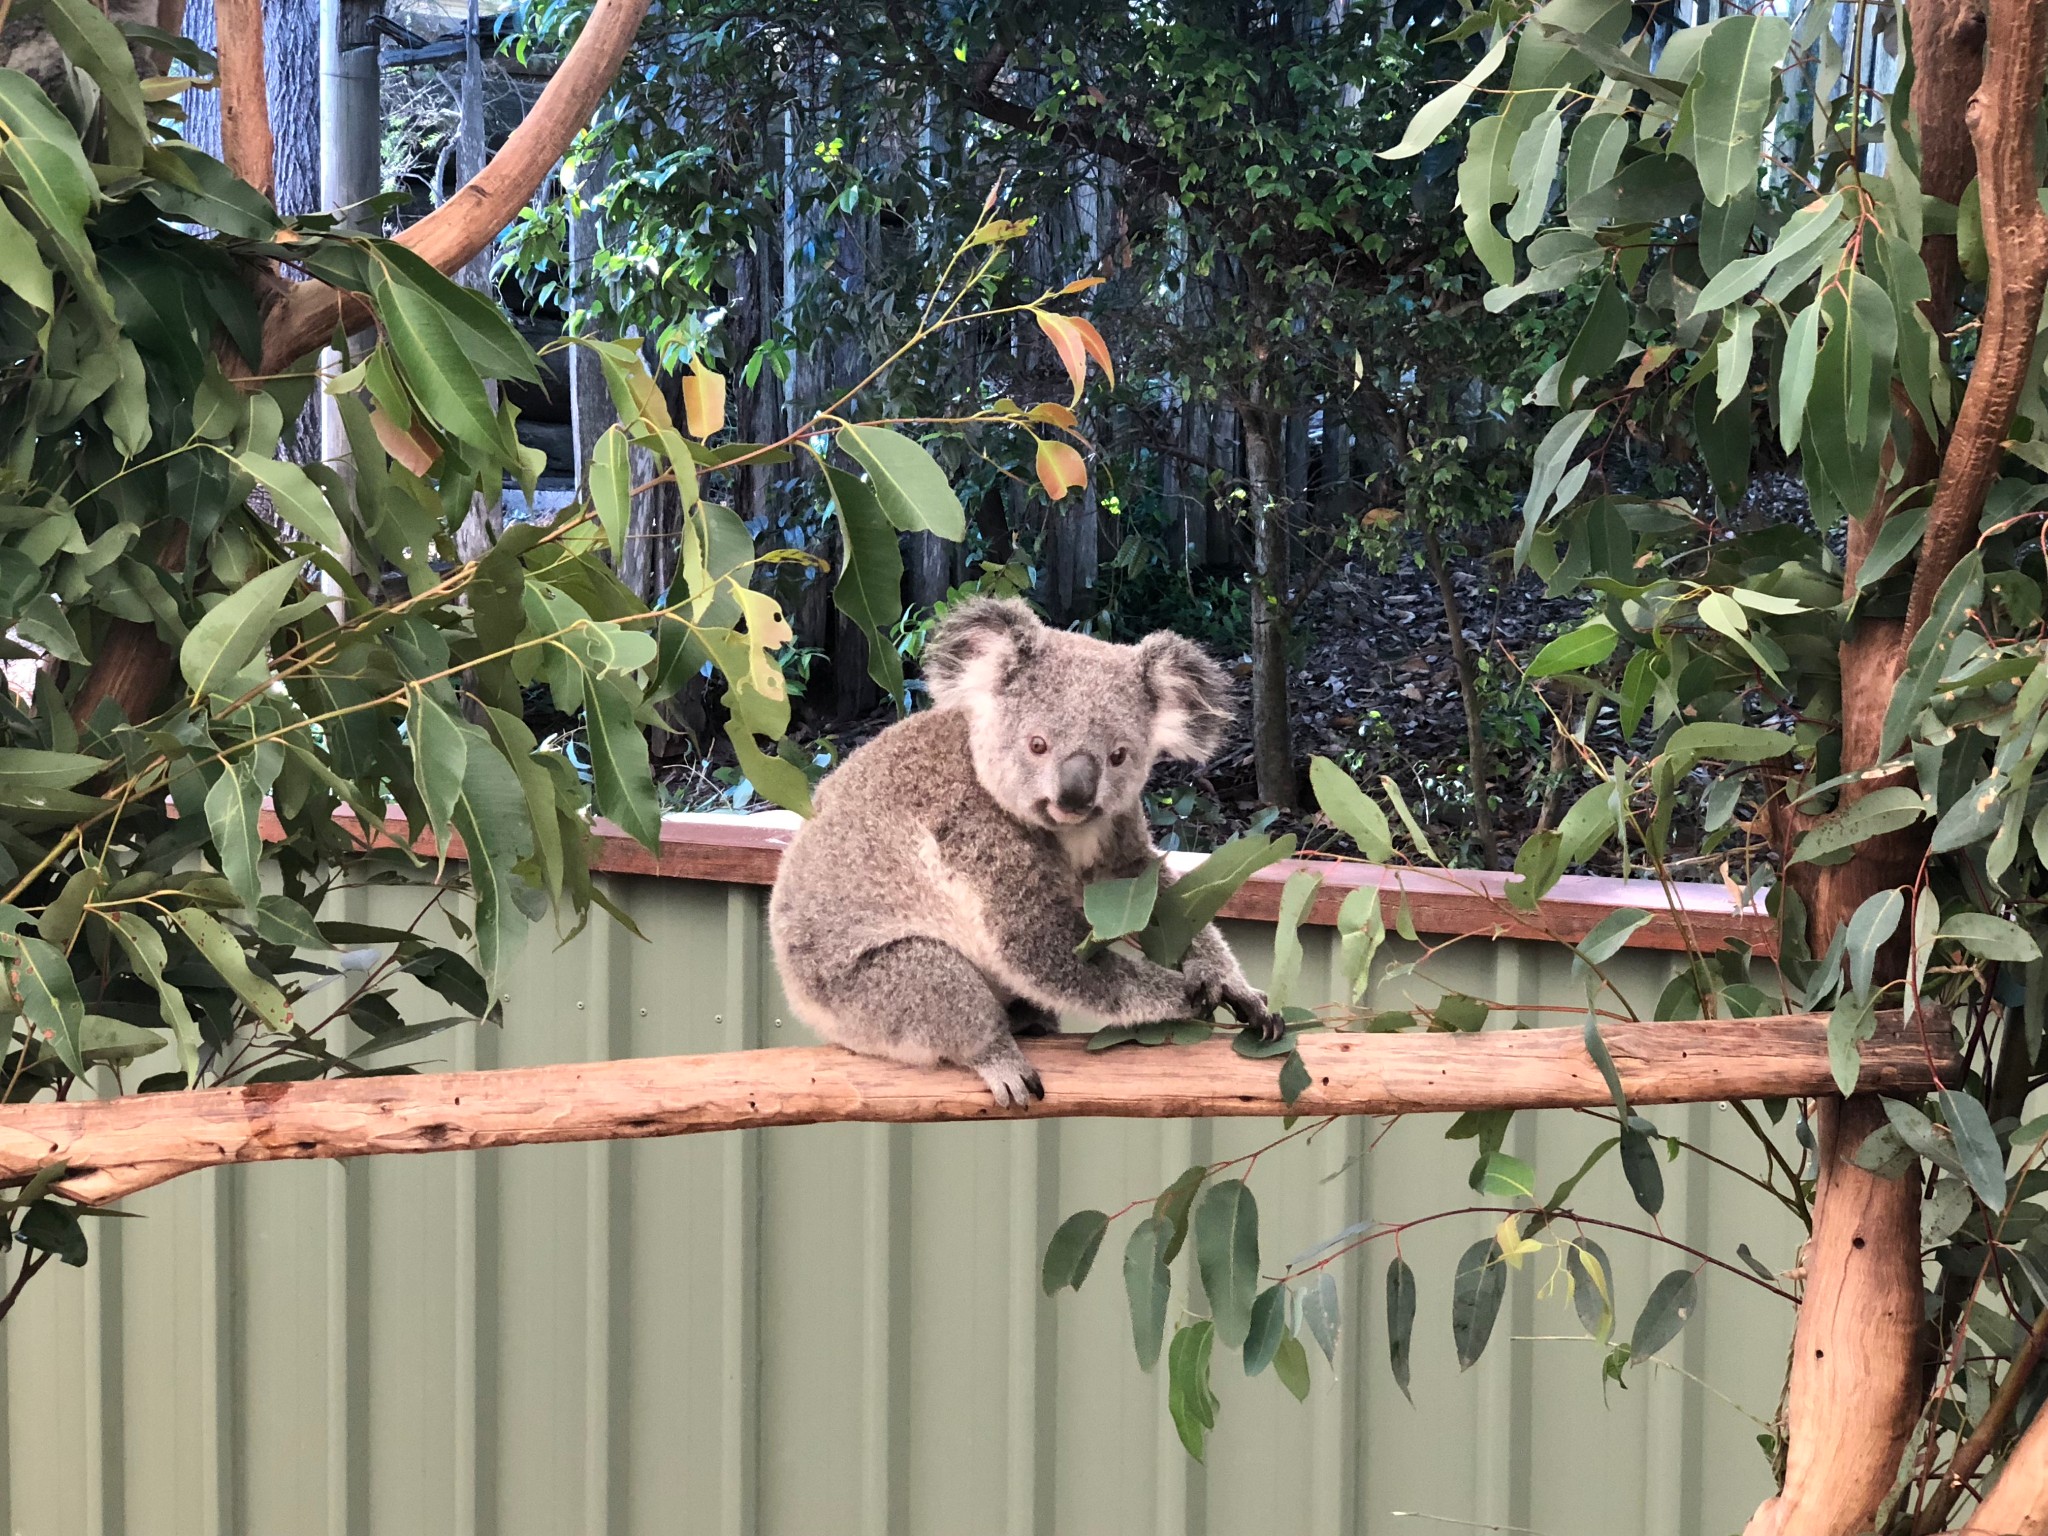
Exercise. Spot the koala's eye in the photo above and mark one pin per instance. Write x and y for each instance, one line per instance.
(1039, 747)
(1116, 758)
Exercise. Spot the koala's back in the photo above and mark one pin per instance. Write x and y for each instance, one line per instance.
(902, 829)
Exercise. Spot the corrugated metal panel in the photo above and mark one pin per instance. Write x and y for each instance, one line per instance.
(838, 1329)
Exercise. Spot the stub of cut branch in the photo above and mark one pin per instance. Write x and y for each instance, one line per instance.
(115, 1147)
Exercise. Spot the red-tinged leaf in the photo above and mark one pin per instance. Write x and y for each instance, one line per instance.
(1083, 284)
(1053, 415)
(1066, 340)
(415, 449)
(1098, 349)
(1060, 469)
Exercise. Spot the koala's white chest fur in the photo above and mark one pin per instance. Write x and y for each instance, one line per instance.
(1084, 844)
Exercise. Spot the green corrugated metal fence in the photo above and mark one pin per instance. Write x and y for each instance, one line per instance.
(837, 1330)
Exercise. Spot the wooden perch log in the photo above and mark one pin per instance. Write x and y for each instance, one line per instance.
(114, 1147)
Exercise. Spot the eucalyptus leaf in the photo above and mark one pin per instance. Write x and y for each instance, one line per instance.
(1226, 1229)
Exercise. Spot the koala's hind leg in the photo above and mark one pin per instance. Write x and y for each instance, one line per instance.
(920, 1001)
(1028, 1020)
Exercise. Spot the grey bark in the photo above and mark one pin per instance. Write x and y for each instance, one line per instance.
(1272, 734)
(486, 520)
(291, 40)
(1466, 660)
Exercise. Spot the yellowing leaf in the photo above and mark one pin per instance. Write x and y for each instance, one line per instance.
(1060, 468)
(1097, 348)
(767, 632)
(704, 401)
(1513, 1246)
(415, 449)
(1064, 334)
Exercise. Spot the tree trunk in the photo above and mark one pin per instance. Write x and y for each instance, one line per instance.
(291, 39)
(929, 565)
(1272, 733)
(1466, 660)
(1856, 1385)
(1225, 440)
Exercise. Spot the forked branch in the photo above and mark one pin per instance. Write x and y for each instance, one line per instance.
(2018, 1505)
(461, 227)
(2003, 114)
(115, 1147)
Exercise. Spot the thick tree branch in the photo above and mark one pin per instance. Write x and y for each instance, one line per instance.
(246, 142)
(114, 1147)
(1948, 62)
(2018, 1506)
(461, 227)
(1969, 1456)
(2002, 117)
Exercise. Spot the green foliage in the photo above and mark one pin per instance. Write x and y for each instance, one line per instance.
(219, 637)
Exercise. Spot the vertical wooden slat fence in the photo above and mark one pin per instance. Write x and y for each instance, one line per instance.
(838, 1328)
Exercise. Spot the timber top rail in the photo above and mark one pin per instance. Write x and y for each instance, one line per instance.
(747, 850)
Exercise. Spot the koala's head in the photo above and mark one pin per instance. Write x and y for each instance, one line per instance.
(1066, 728)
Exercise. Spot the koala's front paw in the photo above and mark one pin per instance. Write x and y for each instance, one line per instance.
(1209, 989)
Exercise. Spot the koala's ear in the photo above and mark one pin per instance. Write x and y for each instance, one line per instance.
(976, 646)
(1191, 696)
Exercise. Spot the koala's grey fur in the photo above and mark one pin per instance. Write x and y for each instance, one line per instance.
(931, 908)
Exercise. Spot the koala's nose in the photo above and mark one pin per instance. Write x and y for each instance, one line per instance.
(1079, 776)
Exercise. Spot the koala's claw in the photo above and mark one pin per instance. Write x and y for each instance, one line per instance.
(1207, 993)
(1252, 1010)
(1013, 1084)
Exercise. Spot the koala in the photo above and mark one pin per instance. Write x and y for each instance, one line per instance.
(930, 911)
